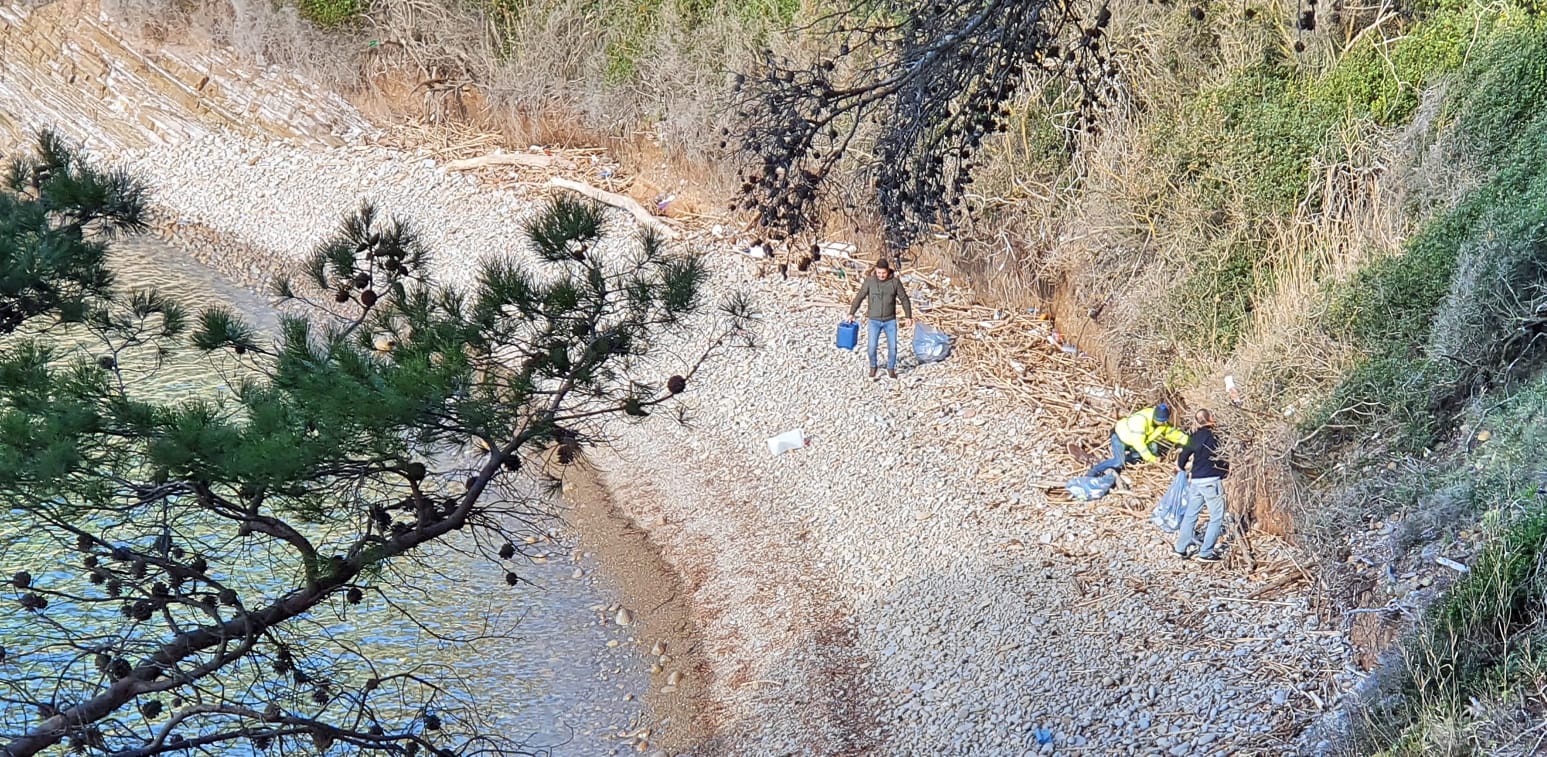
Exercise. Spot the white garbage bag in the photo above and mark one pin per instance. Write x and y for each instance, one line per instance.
(930, 344)
(793, 439)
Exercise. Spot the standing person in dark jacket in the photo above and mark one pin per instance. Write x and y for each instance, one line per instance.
(882, 291)
(1204, 487)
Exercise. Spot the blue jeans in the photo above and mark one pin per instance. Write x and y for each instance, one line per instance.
(890, 327)
(1121, 456)
(1200, 492)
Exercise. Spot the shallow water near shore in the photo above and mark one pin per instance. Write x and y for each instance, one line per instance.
(549, 667)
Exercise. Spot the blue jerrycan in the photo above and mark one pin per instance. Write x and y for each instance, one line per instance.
(848, 335)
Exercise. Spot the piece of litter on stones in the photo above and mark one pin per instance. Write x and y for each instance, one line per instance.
(1452, 564)
(792, 439)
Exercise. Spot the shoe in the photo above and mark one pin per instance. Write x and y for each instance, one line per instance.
(1209, 558)
(1182, 555)
(872, 374)
(892, 374)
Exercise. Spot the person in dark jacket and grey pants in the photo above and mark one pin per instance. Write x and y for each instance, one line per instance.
(882, 291)
(1205, 486)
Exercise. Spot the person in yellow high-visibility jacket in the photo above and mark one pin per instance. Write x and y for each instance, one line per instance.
(1141, 434)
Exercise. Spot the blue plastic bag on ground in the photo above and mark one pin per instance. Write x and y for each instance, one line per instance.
(930, 344)
(1087, 488)
(1169, 510)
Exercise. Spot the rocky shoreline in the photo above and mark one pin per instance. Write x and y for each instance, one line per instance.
(901, 586)
(872, 593)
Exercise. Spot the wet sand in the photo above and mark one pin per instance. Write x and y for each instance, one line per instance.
(656, 594)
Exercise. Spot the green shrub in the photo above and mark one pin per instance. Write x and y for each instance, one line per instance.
(1381, 80)
(1254, 134)
(1213, 305)
(1242, 154)
(632, 25)
(1387, 388)
(1389, 305)
(1499, 284)
(1441, 321)
(1481, 639)
(1474, 643)
(1493, 600)
(779, 12)
(1502, 91)
(330, 14)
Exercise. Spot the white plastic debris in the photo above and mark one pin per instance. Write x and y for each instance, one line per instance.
(838, 249)
(793, 439)
(1230, 390)
(1452, 564)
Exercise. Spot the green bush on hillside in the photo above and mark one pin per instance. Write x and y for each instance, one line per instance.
(635, 22)
(1501, 92)
(1386, 388)
(1213, 306)
(1476, 643)
(1389, 305)
(1381, 79)
(1242, 152)
(1246, 149)
(1252, 138)
(1449, 310)
(330, 14)
(1497, 292)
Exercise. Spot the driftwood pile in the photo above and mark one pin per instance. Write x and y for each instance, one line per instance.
(467, 150)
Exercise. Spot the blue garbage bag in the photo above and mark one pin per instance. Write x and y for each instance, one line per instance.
(1087, 488)
(1169, 510)
(930, 344)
